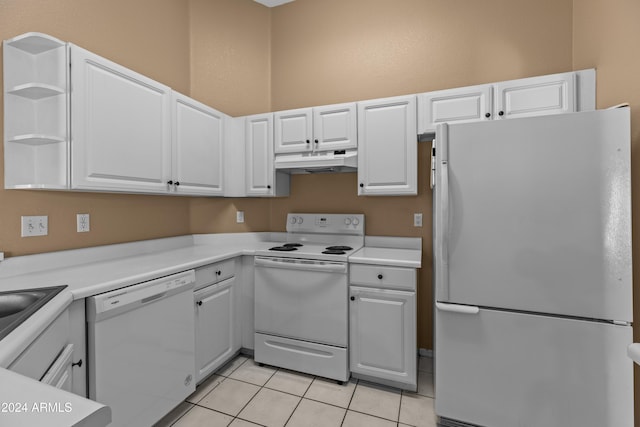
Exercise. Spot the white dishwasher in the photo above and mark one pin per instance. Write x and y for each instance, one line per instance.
(141, 348)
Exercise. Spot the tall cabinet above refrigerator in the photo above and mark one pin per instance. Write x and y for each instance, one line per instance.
(533, 272)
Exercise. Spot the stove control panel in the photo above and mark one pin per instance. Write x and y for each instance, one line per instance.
(326, 223)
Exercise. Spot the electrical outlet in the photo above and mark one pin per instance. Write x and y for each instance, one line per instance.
(240, 217)
(82, 221)
(34, 226)
(417, 220)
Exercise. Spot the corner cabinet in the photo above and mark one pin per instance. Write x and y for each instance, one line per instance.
(121, 127)
(261, 176)
(198, 147)
(382, 325)
(77, 121)
(388, 147)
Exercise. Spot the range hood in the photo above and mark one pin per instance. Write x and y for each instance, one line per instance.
(321, 162)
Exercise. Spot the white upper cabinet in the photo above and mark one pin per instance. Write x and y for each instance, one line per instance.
(261, 177)
(36, 137)
(121, 127)
(465, 104)
(198, 137)
(293, 130)
(335, 127)
(387, 147)
(534, 96)
(325, 128)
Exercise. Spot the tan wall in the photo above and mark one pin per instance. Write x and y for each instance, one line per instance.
(148, 36)
(344, 50)
(230, 55)
(606, 35)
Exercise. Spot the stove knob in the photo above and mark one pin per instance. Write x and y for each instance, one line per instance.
(347, 221)
(355, 221)
(300, 220)
(292, 220)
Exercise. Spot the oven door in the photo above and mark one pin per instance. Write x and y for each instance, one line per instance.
(302, 299)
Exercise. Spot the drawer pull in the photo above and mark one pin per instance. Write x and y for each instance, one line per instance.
(380, 276)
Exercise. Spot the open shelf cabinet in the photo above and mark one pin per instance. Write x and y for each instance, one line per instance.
(36, 112)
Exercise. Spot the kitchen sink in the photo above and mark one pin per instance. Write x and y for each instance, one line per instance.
(16, 306)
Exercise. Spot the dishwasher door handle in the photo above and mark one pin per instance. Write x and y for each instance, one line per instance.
(291, 264)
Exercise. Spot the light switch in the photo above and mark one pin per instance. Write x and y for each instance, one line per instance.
(34, 226)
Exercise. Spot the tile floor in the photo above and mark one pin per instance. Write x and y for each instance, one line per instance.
(243, 394)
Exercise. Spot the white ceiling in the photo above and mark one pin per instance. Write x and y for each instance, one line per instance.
(273, 3)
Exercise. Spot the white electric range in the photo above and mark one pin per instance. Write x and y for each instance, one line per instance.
(301, 295)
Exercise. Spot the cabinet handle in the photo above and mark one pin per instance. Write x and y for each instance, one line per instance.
(177, 182)
(316, 141)
(199, 303)
(501, 113)
(361, 185)
(218, 273)
(78, 363)
(308, 141)
(170, 182)
(353, 298)
(487, 115)
(380, 276)
(268, 187)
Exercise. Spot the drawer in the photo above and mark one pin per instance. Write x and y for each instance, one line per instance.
(381, 276)
(213, 273)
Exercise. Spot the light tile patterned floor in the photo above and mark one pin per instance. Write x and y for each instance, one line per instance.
(244, 394)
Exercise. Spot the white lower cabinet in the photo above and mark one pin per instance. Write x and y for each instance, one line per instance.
(382, 335)
(49, 357)
(217, 326)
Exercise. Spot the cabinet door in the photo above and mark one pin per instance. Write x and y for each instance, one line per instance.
(535, 96)
(335, 127)
(293, 131)
(198, 136)
(382, 330)
(259, 152)
(121, 127)
(465, 104)
(60, 374)
(387, 147)
(216, 337)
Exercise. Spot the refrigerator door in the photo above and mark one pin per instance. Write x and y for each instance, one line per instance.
(534, 214)
(505, 369)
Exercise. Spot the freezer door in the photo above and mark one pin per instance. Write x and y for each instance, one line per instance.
(534, 214)
(505, 369)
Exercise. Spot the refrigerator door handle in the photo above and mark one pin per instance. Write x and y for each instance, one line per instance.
(442, 213)
(457, 308)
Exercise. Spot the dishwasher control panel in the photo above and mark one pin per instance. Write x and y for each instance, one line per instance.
(142, 293)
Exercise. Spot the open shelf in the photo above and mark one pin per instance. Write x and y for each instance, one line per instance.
(36, 90)
(35, 43)
(36, 139)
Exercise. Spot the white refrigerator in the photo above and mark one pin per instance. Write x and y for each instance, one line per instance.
(533, 273)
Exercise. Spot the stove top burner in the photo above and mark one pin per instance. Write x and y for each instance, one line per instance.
(333, 252)
(292, 245)
(284, 248)
(339, 248)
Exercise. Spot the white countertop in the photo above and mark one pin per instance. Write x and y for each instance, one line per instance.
(92, 271)
(391, 251)
(30, 403)
(388, 256)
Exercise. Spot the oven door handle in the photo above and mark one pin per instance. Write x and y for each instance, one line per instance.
(288, 263)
